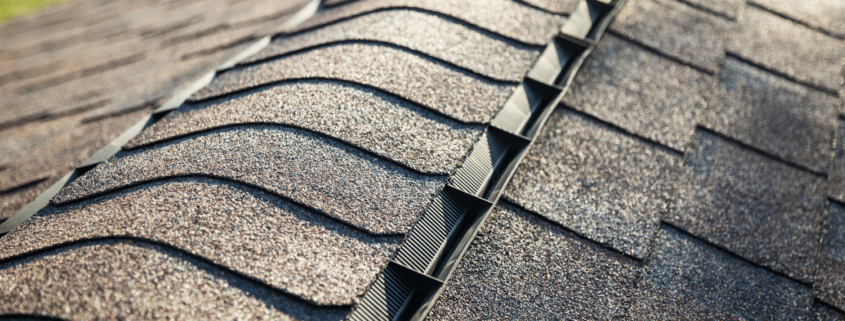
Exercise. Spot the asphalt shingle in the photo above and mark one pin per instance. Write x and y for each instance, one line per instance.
(508, 18)
(775, 115)
(441, 37)
(822, 14)
(117, 280)
(826, 313)
(758, 208)
(789, 48)
(830, 274)
(554, 6)
(331, 177)
(520, 267)
(836, 183)
(640, 91)
(674, 29)
(726, 8)
(686, 279)
(448, 90)
(605, 185)
(402, 131)
(247, 230)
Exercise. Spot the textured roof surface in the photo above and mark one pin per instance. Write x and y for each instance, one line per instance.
(693, 168)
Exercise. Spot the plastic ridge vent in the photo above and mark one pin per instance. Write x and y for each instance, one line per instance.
(413, 281)
(173, 103)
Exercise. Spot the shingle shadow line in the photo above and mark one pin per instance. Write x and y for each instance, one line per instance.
(463, 22)
(22, 186)
(196, 35)
(780, 74)
(26, 73)
(661, 53)
(374, 43)
(506, 200)
(18, 316)
(536, 7)
(707, 10)
(297, 127)
(288, 199)
(836, 201)
(620, 130)
(753, 3)
(211, 264)
(74, 75)
(151, 104)
(827, 305)
(761, 152)
(734, 255)
(219, 48)
(283, 81)
(44, 116)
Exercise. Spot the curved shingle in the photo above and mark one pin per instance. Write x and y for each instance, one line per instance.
(401, 131)
(331, 177)
(448, 90)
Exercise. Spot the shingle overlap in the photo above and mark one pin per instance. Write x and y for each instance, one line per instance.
(603, 184)
(521, 267)
(830, 275)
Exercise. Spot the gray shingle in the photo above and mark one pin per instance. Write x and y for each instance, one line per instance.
(134, 280)
(686, 279)
(830, 274)
(826, 313)
(401, 131)
(822, 14)
(836, 183)
(674, 29)
(789, 48)
(453, 92)
(247, 230)
(774, 115)
(520, 267)
(603, 184)
(554, 6)
(640, 91)
(758, 208)
(727, 8)
(508, 18)
(328, 176)
(465, 46)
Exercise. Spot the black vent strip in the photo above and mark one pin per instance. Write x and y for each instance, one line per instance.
(176, 101)
(441, 237)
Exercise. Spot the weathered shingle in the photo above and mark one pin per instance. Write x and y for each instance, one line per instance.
(640, 91)
(789, 48)
(136, 280)
(826, 313)
(554, 6)
(822, 14)
(674, 29)
(685, 279)
(438, 36)
(367, 118)
(244, 229)
(597, 181)
(775, 115)
(830, 275)
(521, 267)
(726, 8)
(758, 208)
(448, 90)
(508, 18)
(328, 176)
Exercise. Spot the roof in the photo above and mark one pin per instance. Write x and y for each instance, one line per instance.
(442, 159)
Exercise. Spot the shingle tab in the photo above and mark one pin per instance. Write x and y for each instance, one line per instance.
(686, 279)
(520, 268)
(830, 274)
(758, 208)
(775, 115)
(112, 280)
(438, 36)
(605, 185)
(508, 18)
(836, 184)
(822, 14)
(448, 90)
(640, 91)
(789, 48)
(328, 176)
(674, 29)
(726, 8)
(826, 313)
(554, 6)
(247, 230)
(401, 131)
